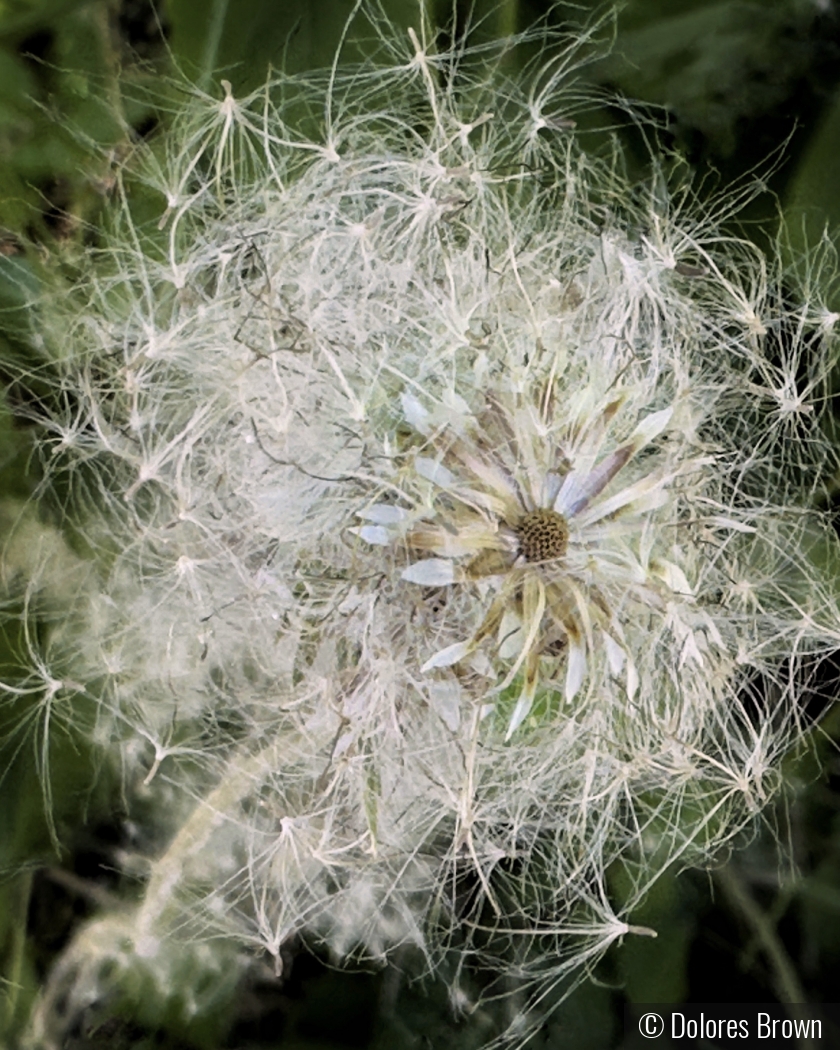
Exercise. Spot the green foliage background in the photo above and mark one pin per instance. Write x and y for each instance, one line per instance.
(746, 89)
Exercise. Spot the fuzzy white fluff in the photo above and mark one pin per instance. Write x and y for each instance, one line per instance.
(383, 315)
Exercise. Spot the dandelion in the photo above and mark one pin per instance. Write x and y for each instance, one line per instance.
(451, 548)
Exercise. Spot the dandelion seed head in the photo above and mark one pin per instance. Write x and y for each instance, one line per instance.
(454, 508)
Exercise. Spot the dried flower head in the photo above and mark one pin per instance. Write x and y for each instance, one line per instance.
(453, 547)
(522, 505)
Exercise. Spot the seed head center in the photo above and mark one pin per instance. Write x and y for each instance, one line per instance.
(543, 534)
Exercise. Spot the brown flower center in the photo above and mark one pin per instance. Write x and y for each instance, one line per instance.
(543, 534)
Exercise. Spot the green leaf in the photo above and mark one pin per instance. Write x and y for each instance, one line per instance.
(655, 970)
(241, 39)
(812, 202)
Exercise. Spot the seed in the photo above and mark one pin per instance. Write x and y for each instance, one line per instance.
(543, 535)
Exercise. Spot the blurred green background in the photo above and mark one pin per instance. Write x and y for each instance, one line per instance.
(746, 92)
